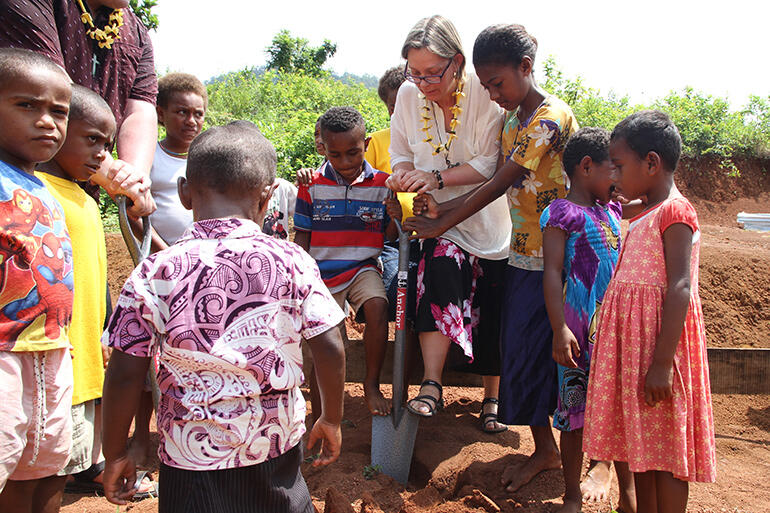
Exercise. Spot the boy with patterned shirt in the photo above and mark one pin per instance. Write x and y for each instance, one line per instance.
(35, 286)
(341, 220)
(225, 308)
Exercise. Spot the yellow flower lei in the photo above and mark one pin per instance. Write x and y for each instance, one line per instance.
(106, 36)
(456, 111)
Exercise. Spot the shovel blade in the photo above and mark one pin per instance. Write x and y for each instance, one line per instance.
(393, 445)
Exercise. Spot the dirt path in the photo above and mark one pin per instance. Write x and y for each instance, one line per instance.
(452, 457)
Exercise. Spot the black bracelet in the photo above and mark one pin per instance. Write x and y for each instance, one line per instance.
(440, 180)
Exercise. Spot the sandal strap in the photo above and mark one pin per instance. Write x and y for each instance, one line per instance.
(424, 398)
(436, 385)
(489, 400)
(489, 417)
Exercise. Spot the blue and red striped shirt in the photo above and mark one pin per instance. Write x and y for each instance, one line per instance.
(347, 222)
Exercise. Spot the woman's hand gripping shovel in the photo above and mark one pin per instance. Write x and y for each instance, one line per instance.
(393, 435)
(138, 252)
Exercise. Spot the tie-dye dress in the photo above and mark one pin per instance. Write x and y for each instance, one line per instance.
(590, 255)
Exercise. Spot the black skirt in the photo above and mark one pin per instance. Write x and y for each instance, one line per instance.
(274, 486)
(488, 301)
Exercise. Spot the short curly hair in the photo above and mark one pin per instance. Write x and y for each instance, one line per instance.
(586, 142)
(88, 105)
(504, 44)
(180, 83)
(235, 158)
(19, 63)
(391, 80)
(342, 119)
(651, 130)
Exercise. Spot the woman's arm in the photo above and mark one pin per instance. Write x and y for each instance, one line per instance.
(423, 181)
(677, 246)
(461, 208)
(633, 208)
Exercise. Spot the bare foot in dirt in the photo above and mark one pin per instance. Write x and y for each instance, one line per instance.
(596, 485)
(516, 476)
(375, 401)
(571, 506)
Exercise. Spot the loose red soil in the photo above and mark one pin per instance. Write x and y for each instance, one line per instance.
(456, 468)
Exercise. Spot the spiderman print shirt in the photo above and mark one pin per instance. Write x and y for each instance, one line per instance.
(35, 265)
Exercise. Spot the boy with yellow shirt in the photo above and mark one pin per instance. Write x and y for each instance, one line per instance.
(87, 146)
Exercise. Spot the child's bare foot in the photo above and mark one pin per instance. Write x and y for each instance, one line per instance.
(596, 485)
(516, 476)
(375, 401)
(571, 506)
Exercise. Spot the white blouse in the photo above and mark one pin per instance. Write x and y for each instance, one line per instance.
(487, 233)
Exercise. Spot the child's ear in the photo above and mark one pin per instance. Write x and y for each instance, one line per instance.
(585, 165)
(366, 143)
(526, 65)
(653, 163)
(183, 190)
(160, 115)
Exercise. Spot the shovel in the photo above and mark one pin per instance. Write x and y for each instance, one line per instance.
(138, 253)
(393, 435)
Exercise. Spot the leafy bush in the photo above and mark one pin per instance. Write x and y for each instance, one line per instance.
(285, 107)
(706, 123)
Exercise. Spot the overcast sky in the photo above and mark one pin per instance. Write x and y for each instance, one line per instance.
(643, 49)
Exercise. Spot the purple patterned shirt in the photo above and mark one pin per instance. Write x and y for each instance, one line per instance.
(226, 307)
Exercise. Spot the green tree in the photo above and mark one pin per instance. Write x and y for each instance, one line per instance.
(285, 107)
(143, 10)
(289, 54)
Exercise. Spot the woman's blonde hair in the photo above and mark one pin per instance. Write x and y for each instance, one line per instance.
(438, 35)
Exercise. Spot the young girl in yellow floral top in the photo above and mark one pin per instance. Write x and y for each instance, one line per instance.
(534, 134)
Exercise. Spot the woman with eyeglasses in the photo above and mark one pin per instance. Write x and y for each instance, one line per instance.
(445, 140)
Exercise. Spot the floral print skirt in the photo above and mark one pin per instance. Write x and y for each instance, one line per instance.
(446, 285)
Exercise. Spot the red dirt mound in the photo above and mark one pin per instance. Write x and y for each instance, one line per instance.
(456, 468)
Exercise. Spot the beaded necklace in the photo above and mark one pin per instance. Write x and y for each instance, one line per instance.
(426, 119)
(172, 153)
(106, 36)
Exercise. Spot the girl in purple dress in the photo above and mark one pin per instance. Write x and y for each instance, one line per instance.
(581, 242)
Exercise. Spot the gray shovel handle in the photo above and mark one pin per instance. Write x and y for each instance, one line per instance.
(399, 348)
(138, 251)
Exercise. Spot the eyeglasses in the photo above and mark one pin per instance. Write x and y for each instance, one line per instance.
(428, 79)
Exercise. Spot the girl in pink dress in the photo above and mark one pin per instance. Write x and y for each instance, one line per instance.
(649, 402)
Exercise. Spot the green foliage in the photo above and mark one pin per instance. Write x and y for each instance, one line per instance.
(144, 12)
(371, 471)
(588, 104)
(706, 123)
(291, 54)
(285, 107)
(109, 212)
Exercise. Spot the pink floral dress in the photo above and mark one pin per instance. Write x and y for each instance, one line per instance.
(676, 435)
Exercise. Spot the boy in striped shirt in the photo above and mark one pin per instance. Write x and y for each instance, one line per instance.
(341, 220)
